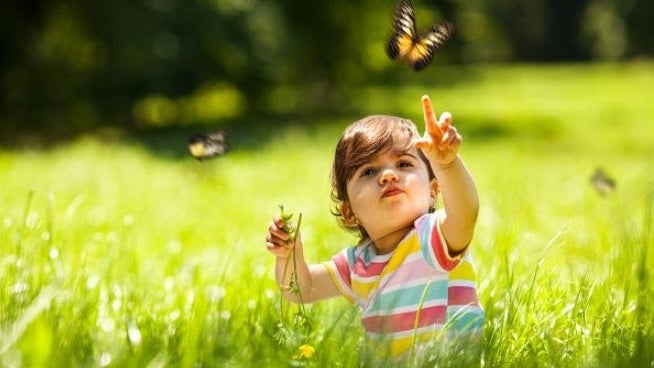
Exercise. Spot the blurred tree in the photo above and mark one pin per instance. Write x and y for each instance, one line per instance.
(637, 17)
(74, 65)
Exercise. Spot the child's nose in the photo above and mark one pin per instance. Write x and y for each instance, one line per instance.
(387, 176)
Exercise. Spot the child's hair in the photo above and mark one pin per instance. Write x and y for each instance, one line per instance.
(362, 140)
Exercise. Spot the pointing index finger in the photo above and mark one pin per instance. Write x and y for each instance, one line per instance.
(431, 124)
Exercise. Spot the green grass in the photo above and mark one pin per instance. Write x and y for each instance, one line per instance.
(114, 252)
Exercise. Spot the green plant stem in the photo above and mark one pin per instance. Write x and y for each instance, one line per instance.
(294, 283)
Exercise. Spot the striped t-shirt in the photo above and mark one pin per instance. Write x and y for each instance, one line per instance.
(412, 293)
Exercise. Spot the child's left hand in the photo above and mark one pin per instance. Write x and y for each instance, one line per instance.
(441, 140)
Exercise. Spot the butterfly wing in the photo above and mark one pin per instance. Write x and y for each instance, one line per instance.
(203, 146)
(424, 49)
(404, 31)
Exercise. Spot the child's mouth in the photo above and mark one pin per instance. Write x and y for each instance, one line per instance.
(391, 191)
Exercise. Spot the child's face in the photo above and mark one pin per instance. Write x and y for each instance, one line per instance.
(389, 192)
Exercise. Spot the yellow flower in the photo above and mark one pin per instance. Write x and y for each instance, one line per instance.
(304, 351)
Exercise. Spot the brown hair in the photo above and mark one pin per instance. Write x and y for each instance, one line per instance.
(362, 140)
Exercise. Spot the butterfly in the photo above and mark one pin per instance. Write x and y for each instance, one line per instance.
(203, 146)
(405, 43)
(602, 182)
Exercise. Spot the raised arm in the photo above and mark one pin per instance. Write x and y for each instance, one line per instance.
(440, 144)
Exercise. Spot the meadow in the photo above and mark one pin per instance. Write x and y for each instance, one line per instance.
(121, 250)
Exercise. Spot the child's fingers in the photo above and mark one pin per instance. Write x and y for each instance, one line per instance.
(275, 230)
(451, 139)
(431, 125)
(282, 224)
(277, 245)
(278, 221)
(445, 121)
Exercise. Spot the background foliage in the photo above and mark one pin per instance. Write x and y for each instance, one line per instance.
(71, 66)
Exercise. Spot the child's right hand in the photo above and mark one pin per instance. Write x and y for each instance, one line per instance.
(278, 241)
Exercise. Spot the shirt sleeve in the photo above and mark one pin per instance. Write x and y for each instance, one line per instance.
(340, 270)
(433, 244)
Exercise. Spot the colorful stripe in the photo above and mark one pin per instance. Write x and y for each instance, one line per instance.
(410, 296)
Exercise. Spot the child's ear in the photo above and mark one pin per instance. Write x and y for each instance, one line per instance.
(434, 193)
(349, 217)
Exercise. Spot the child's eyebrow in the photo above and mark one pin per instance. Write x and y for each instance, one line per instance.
(400, 154)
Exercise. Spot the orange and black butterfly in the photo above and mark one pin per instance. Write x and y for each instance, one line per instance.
(204, 146)
(406, 44)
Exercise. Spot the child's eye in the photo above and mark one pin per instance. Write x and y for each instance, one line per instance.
(368, 171)
(405, 164)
